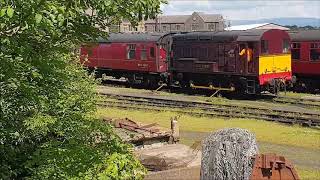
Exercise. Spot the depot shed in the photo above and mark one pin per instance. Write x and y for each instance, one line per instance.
(256, 26)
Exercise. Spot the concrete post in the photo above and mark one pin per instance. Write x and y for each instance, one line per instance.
(175, 129)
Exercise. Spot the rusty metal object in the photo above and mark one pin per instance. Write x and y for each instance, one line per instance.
(273, 167)
(139, 134)
(132, 125)
(211, 87)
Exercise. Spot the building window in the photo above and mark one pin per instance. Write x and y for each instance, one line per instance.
(152, 53)
(146, 28)
(131, 51)
(194, 27)
(314, 52)
(217, 26)
(212, 27)
(285, 46)
(164, 28)
(178, 27)
(264, 47)
(143, 54)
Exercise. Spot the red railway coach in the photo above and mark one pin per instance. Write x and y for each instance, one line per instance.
(211, 60)
(305, 50)
(138, 57)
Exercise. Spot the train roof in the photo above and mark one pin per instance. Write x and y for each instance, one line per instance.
(305, 35)
(132, 37)
(223, 36)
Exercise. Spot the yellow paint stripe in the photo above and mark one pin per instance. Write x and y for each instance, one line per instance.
(274, 63)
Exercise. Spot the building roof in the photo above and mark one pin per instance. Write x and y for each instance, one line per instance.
(223, 36)
(252, 26)
(210, 17)
(305, 35)
(132, 37)
(180, 19)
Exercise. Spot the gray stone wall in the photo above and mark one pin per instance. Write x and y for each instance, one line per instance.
(195, 23)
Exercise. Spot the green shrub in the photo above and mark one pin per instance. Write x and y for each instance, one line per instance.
(46, 98)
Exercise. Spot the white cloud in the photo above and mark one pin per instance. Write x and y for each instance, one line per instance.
(245, 10)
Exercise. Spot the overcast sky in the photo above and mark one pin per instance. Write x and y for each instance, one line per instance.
(245, 10)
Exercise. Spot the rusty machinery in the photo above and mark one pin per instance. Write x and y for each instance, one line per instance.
(272, 167)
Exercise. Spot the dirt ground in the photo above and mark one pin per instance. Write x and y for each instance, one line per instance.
(190, 173)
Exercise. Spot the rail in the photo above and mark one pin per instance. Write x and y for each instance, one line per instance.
(210, 109)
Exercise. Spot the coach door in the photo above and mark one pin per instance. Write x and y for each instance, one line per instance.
(161, 58)
(227, 57)
(221, 57)
(244, 65)
(230, 57)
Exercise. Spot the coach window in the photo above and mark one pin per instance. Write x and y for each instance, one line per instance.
(285, 46)
(152, 54)
(295, 51)
(264, 47)
(131, 51)
(143, 53)
(315, 52)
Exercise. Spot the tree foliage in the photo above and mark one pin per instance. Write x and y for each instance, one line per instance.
(295, 27)
(47, 128)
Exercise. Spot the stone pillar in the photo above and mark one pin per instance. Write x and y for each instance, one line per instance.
(227, 155)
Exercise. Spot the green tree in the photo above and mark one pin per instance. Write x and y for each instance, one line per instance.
(47, 124)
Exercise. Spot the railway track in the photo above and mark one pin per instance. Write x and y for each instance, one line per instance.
(302, 102)
(313, 103)
(209, 109)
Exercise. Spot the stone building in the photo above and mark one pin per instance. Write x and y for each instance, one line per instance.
(176, 23)
(126, 27)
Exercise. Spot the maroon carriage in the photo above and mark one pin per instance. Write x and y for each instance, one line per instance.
(305, 51)
(139, 57)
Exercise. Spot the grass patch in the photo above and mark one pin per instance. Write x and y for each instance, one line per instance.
(295, 95)
(264, 131)
(307, 173)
